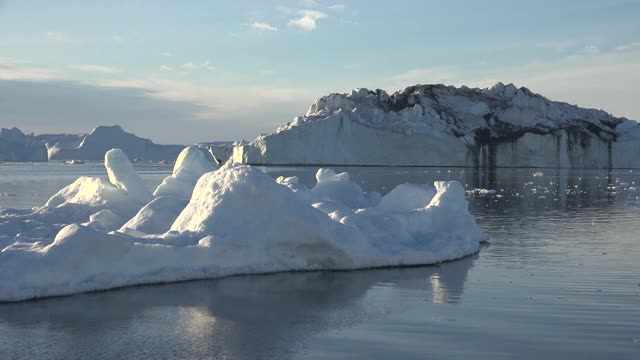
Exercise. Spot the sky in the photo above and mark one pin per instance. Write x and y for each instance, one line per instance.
(192, 71)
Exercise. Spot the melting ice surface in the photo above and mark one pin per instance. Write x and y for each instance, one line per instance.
(203, 222)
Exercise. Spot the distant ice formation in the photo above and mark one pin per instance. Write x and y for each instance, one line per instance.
(204, 223)
(92, 146)
(16, 146)
(437, 125)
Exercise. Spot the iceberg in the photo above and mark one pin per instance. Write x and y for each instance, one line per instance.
(16, 146)
(92, 146)
(438, 125)
(98, 234)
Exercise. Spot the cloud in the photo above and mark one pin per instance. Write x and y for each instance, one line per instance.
(309, 3)
(262, 27)
(165, 68)
(117, 39)
(591, 49)
(55, 36)
(337, 7)
(18, 70)
(98, 69)
(165, 54)
(307, 20)
(629, 46)
(73, 107)
(205, 65)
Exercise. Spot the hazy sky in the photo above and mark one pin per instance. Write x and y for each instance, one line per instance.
(189, 71)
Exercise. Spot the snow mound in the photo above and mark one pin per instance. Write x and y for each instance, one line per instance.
(238, 220)
(192, 163)
(156, 217)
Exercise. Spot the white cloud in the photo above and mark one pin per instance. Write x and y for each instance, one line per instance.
(117, 39)
(309, 3)
(55, 36)
(591, 49)
(99, 69)
(629, 46)
(19, 70)
(165, 68)
(262, 27)
(165, 54)
(337, 7)
(205, 65)
(307, 20)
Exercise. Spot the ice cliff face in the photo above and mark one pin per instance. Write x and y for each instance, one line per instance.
(93, 146)
(16, 146)
(437, 125)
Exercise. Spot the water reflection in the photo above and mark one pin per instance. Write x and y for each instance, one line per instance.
(264, 316)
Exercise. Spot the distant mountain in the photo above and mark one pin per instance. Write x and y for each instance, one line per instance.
(16, 146)
(94, 145)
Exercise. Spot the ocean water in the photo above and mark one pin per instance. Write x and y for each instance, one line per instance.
(559, 279)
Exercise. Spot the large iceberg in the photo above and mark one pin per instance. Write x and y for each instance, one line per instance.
(100, 234)
(16, 146)
(437, 125)
(92, 146)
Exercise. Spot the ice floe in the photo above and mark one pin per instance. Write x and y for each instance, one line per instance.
(97, 234)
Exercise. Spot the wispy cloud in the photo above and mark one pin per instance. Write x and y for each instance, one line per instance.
(18, 70)
(307, 20)
(204, 65)
(591, 49)
(309, 3)
(55, 36)
(165, 68)
(262, 27)
(98, 69)
(629, 46)
(118, 39)
(337, 7)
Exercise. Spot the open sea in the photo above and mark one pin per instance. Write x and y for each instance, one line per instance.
(558, 279)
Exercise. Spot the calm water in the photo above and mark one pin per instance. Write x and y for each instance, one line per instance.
(560, 279)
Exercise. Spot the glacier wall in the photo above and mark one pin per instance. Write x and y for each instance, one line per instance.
(437, 125)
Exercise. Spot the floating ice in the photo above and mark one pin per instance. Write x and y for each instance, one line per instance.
(238, 220)
(190, 165)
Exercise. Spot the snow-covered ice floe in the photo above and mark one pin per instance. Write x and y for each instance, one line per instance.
(97, 234)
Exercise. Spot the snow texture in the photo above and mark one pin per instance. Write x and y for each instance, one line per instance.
(16, 146)
(238, 220)
(437, 125)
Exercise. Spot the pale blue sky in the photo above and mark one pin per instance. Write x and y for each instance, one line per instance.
(187, 71)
